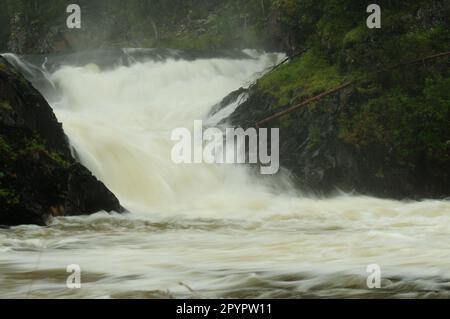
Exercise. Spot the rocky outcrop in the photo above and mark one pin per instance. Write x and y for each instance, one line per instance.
(38, 176)
(322, 161)
(388, 133)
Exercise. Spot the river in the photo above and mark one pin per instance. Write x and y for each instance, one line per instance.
(205, 230)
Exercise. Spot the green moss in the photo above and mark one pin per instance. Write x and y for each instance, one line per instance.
(6, 151)
(189, 41)
(303, 77)
(220, 33)
(314, 136)
(408, 125)
(4, 105)
(404, 113)
(356, 35)
(9, 197)
(36, 148)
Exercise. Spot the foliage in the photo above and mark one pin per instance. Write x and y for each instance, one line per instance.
(303, 77)
(404, 112)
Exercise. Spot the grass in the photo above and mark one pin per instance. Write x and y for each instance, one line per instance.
(303, 77)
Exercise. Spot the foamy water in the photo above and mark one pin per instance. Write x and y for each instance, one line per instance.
(208, 230)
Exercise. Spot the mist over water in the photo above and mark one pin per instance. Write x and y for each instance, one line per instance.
(120, 123)
(207, 230)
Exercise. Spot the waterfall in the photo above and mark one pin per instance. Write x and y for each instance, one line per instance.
(120, 120)
(214, 227)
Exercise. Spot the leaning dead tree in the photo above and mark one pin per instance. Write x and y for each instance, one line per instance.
(342, 87)
(304, 103)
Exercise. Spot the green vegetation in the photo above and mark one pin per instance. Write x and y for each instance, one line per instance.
(193, 24)
(411, 125)
(6, 151)
(35, 148)
(403, 113)
(340, 46)
(14, 154)
(7, 158)
(4, 105)
(303, 77)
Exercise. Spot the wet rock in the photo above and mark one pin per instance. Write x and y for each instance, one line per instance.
(38, 176)
(321, 162)
(86, 194)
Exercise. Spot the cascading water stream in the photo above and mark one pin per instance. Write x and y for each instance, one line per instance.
(214, 228)
(120, 123)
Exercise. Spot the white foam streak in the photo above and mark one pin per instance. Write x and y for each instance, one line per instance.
(120, 123)
(212, 227)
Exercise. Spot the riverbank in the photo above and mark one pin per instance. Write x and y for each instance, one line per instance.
(207, 231)
(39, 178)
(387, 133)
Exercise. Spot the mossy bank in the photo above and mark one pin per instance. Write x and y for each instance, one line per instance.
(387, 134)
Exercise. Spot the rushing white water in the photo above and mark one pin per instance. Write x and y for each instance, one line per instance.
(208, 230)
(120, 122)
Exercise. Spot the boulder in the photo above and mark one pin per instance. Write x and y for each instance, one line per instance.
(321, 162)
(38, 176)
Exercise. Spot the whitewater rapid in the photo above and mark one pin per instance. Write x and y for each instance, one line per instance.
(120, 124)
(216, 229)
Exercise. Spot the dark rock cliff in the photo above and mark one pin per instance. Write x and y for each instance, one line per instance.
(38, 176)
(387, 134)
(322, 161)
